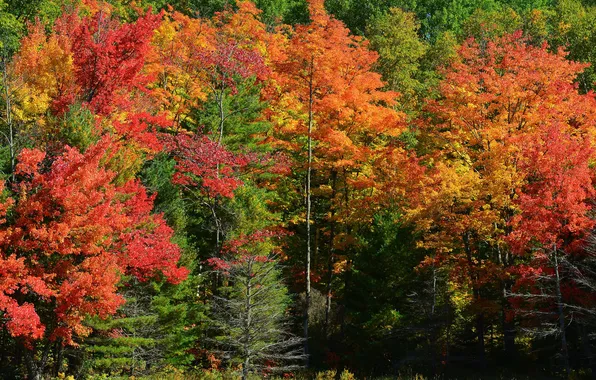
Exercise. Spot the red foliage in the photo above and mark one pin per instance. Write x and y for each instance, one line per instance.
(203, 162)
(556, 199)
(140, 128)
(108, 57)
(247, 248)
(71, 236)
(226, 60)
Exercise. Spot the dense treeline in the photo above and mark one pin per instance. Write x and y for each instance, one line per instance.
(219, 188)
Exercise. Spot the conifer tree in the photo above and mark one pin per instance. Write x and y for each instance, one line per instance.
(249, 314)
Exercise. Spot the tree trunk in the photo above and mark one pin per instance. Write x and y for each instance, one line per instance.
(508, 333)
(347, 284)
(476, 294)
(434, 304)
(508, 326)
(564, 350)
(222, 117)
(58, 357)
(35, 368)
(308, 209)
(9, 123)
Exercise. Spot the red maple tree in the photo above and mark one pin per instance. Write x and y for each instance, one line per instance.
(66, 237)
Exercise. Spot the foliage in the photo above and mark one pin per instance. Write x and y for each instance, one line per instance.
(394, 36)
(67, 225)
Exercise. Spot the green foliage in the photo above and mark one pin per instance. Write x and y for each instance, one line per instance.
(47, 11)
(487, 25)
(394, 35)
(249, 315)
(357, 13)
(180, 308)
(158, 326)
(10, 31)
(252, 209)
(125, 344)
(78, 128)
(449, 15)
(573, 29)
(157, 176)
(440, 54)
(527, 5)
(181, 319)
(276, 11)
(241, 109)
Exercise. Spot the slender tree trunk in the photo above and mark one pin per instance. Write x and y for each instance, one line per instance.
(58, 357)
(308, 207)
(564, 349)
(434, 304)
(432, 337)
(507, 326)
(219, 98)
(476, 293)
(347, 284)
(508, 334)
(329, 281)
(34, 367)
(348, 275)
(9, 123)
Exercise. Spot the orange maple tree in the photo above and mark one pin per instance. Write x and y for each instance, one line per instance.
(331, 114)
(497, 102)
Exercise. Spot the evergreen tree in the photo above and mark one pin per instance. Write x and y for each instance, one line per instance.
(249, 313)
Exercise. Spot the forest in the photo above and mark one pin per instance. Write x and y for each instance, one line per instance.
(307, 189)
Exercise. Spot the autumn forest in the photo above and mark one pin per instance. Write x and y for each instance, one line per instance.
(308, 189)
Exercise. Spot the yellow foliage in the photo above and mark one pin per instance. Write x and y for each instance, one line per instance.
(41, 71)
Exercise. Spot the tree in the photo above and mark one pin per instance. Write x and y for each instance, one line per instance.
(152, 330)
(554, 217)
(394, 35)
(108, 57)
(335, 120)
(9, 32)
(250, 314)
(494, 100)
(103, 70)
(208, 171)
(487, 25)
(208, 78)
(70, 235)
(127, 343)
(571, 28)
(199, 61)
